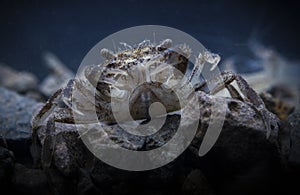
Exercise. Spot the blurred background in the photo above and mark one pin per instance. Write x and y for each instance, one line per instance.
(69, 29)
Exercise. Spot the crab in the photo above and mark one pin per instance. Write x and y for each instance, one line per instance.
(115, 78)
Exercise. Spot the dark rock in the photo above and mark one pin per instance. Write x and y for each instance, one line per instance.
(59, 184)
(105, 176)
(158, 181)
(239, 115)
(3, 142)
(262, 178)
(294, 155)
(30, 181)
(6, 166)
(85, 185)
(21, 82)
(241, 146)
(280, 106)
(21, 149)
(284, 140)
(196, 183)
(69, 151)
(242, 142)
(15, 115)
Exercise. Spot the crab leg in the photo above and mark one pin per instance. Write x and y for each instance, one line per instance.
(225, 81)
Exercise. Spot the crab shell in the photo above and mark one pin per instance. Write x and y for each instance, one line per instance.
(143, 75)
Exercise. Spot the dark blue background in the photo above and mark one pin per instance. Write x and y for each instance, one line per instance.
(71, 29)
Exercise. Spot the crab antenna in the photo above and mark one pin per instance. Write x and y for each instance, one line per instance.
(107, 54)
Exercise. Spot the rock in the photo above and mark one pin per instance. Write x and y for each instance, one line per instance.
(58, 77)
(242, 140)
(3, 142)
(21, 82)
(284, 140)
(69, 152)
(30, 181)
(15, 128)
(294, 155)
(85, 185)
(105, 176)
(242, 143)
(15, 115)
(239, 115)
(196, 183)
(6, 166)
(281, 100)
(60, 184)
(112, 180)
(7, 162)
(243, 134)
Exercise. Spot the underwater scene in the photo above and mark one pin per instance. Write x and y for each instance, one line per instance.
(149, 97)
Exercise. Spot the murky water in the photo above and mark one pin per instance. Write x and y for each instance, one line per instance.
(70, 30)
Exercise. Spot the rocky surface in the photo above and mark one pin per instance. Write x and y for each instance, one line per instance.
(242, 122)
(58, 77)
(15, 115)
(241, 146)
(21, 82)
(6, 165)
(294, 155)
(196, 183)
(29, 181)
(15, 128)
(242, 141)
(242, 161)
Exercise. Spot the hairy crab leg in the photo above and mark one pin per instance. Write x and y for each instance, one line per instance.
(46, 110)
(225, 80)
(255, 99)
(49, 144)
